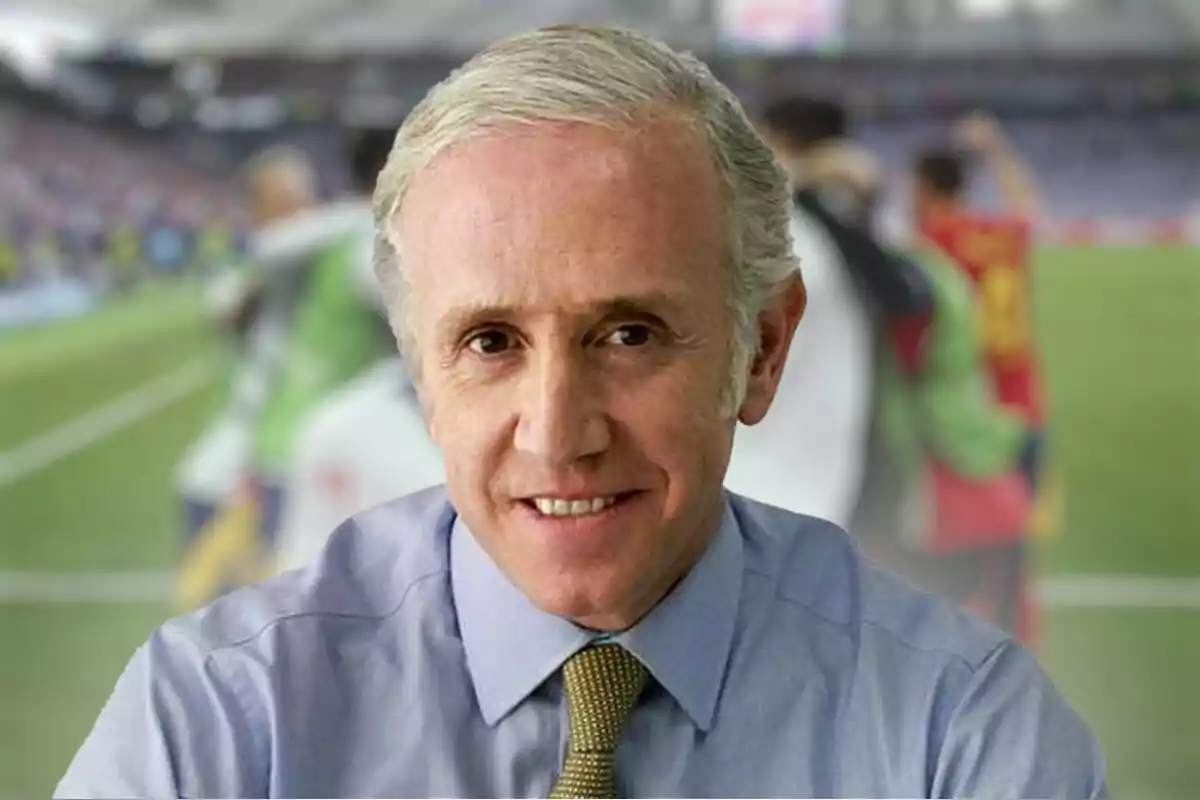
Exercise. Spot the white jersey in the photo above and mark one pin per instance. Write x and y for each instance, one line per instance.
(809, 453)
(367, 444)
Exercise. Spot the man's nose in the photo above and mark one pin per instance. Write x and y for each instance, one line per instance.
(562, 417)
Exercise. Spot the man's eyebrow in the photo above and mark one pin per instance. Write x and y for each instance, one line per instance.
(648, 303)
(470, 315)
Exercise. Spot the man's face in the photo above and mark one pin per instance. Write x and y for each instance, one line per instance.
(569, 310)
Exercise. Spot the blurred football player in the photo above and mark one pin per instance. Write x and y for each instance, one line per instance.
(280, 185)
(994, 250)
(367, 443)
(317, 326)
(811, 453)
(894, 377)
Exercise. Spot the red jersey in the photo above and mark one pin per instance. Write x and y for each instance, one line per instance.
(995, 252)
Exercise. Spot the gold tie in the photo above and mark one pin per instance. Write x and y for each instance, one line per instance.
(602, 685)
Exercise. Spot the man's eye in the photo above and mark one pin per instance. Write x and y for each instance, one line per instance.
(489, 343)
(630, 336)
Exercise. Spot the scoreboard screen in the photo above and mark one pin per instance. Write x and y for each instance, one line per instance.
(781, 26)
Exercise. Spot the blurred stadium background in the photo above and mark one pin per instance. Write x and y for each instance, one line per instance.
(122, 124)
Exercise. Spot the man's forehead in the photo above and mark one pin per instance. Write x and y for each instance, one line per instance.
(566, 290)
(566, 219)
(568, 157)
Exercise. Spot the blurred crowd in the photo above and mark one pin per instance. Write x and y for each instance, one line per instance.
(1092, 167)
(108, 206)
(85, 202)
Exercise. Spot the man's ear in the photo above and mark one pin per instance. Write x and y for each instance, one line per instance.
(776, 325)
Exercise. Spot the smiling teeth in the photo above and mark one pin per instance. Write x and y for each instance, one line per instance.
(556, 507)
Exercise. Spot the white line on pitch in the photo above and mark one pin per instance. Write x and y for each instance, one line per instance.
(47, 449)
(1099, 592)
(87, 587)
(1120, 591)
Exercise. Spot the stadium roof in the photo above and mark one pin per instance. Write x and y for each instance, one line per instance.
(169, 28)
(172, 27)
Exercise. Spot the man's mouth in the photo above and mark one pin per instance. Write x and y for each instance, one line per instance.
(576, 507)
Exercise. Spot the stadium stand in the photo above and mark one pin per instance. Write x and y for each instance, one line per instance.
(1126, 172)
(84, 201)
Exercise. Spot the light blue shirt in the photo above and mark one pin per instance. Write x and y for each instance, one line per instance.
(404, 663)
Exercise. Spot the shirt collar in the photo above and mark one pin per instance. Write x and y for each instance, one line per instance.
(512, 646)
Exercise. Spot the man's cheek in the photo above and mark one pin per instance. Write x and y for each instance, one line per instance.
(695, 398)
(445, 407)
(444, 431)
(464, 431)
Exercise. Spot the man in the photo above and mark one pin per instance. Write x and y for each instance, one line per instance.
(586, 249)
(366, 444)
(281, 185)
(810, 455)
(928, 440)
(318, 325)
(336, 328)
(993, 250)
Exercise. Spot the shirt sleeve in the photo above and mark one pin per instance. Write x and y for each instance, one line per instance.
(173, 727)
(1013, 735)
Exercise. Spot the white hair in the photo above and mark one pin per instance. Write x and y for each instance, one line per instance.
(608, 78)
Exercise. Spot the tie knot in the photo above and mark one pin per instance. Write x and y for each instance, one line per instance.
(602, 685)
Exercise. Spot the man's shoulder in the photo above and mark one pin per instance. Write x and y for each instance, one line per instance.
(373, 564)
(816, 567)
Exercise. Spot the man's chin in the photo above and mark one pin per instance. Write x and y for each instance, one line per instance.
(584, 602)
